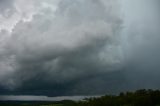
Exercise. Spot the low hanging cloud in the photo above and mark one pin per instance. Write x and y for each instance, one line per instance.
(62, 43)
(78, 47)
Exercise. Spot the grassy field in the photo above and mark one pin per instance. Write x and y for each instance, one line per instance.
(24, 103)
(53, 105)
(37, 103)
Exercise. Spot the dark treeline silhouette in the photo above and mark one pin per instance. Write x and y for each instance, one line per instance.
(138, 98)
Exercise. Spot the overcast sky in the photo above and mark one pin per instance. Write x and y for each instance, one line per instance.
(78, 47)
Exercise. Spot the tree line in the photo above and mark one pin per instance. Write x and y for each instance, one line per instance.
(138, 98)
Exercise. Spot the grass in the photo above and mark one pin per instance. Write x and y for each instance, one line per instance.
(53, 105)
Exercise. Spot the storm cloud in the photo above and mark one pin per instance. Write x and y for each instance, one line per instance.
(141, 44)
(77, 39)
(75, 47)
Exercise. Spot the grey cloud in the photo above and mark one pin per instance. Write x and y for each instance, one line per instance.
(79, 39)
(142, 45)
(7, 7)
(80, 47)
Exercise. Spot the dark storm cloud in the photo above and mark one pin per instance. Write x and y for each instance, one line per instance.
(76, 47)
(142, 45)
(58, 50)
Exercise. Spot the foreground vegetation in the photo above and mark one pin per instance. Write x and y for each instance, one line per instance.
(138, 98)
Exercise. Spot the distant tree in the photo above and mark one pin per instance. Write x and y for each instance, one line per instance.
(138, 98)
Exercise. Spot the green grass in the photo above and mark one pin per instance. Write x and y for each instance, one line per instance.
(53, 105)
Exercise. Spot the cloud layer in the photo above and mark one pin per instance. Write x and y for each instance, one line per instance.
(61, 43)
(75, 47)
(141, 44)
